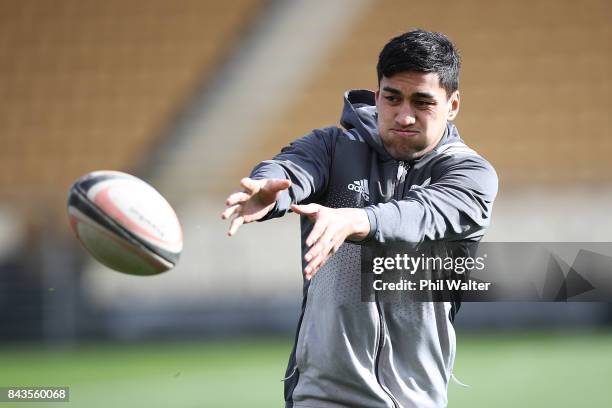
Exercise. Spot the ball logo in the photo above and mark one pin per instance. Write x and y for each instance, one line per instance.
(135, 206)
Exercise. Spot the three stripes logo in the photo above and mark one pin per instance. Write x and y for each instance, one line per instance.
(360, 186)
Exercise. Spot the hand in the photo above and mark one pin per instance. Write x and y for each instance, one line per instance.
(332, 226)
(254, 202)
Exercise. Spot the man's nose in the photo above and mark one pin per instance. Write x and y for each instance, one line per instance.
(405, 116)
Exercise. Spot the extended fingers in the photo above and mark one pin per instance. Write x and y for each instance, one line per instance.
(235, 198)
(235, 224)
(317, 231)
(234, 201)
(305, 209)
(318, 245)
(313, 266)
(230, 211)
(320, 252)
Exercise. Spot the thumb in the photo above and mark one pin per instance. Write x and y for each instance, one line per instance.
(250, 185)
(277, 184)
(308, 209)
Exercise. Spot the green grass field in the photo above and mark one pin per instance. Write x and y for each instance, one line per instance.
(504, 370)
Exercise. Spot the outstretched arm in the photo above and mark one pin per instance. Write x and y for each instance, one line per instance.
(252, 203)
(457, 206)
(306, 163)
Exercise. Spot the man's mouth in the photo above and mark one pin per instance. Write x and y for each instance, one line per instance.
(405, 132)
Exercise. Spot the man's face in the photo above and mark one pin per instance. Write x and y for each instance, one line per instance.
(412, 113)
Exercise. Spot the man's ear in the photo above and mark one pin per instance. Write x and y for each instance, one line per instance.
(453, 105)
(376, 94)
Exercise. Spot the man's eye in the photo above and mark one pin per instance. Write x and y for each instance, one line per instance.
(424, 103)
(392, 99)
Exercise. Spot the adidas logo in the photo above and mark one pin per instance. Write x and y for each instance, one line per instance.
(360, 186)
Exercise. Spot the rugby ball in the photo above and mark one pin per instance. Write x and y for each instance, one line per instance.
(125, 223)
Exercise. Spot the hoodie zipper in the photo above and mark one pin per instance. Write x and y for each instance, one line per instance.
(401, 170)
(381, 343)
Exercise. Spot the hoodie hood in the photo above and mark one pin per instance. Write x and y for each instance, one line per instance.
(359, 115)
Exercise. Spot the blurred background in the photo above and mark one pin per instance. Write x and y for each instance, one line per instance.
(189, 95)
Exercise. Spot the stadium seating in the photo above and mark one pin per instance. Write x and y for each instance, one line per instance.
(91, 85)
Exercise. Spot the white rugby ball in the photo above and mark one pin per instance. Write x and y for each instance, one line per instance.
(125, 223)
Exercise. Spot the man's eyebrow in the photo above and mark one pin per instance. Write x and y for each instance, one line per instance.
(392, 90)
(425, 95)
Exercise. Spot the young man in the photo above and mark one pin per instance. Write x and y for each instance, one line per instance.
(396, 172)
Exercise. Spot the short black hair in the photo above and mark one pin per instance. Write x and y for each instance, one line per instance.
(421, 51)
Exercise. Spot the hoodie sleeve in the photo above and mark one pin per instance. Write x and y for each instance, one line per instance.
(456, 206)
(306, 162)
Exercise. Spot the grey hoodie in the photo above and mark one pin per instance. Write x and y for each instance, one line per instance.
(350, 353)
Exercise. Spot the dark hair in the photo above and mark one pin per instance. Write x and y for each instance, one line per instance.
(421, 51)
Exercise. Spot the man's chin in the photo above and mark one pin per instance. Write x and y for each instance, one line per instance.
(407, 155)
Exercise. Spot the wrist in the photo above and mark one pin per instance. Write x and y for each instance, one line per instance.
(359, 224)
